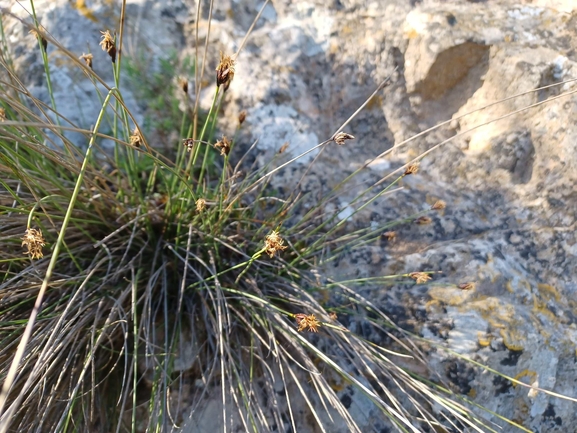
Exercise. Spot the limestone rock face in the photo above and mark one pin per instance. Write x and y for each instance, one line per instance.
(504, 161)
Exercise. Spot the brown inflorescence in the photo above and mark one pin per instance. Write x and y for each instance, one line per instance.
(223, 145)
(38, 34)
(439, 205)
(200, 205)
(108, 45)
(341, 137)
(273, 243)
(33, 241)
(309, 322)
(189, 143)
(136, 139)
(87, 59)
(183, 83)
(411, 169)
(423, 220)
(224, 71)
(390, 235)
(420, 277)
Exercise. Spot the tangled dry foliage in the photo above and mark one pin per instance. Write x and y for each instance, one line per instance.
(124, 267)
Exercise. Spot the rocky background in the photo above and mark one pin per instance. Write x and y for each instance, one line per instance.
(510, 186)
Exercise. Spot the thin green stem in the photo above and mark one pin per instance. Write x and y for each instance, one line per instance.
(12, 372)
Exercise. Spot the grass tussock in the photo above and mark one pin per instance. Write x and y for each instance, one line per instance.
(129, 274)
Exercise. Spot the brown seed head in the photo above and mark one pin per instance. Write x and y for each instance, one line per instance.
(341, 137)
(274, 243)
(136, 139)
(390, 235)
(38, 34)
(225, 71)
(423, 220)
(183, 83)
(333, 315)
(283, 148)
(439, 205)
(467, 286)
(412, 169)
(2, 114)
(223, 145)
(307, 322)
(87, 59)
(33, 241)
(108, 45)
(241, 117)
(189, 143)
(420, 277)
(200, 205)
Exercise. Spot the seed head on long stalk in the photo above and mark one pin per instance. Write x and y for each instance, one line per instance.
(108, 45)
(225, 71)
